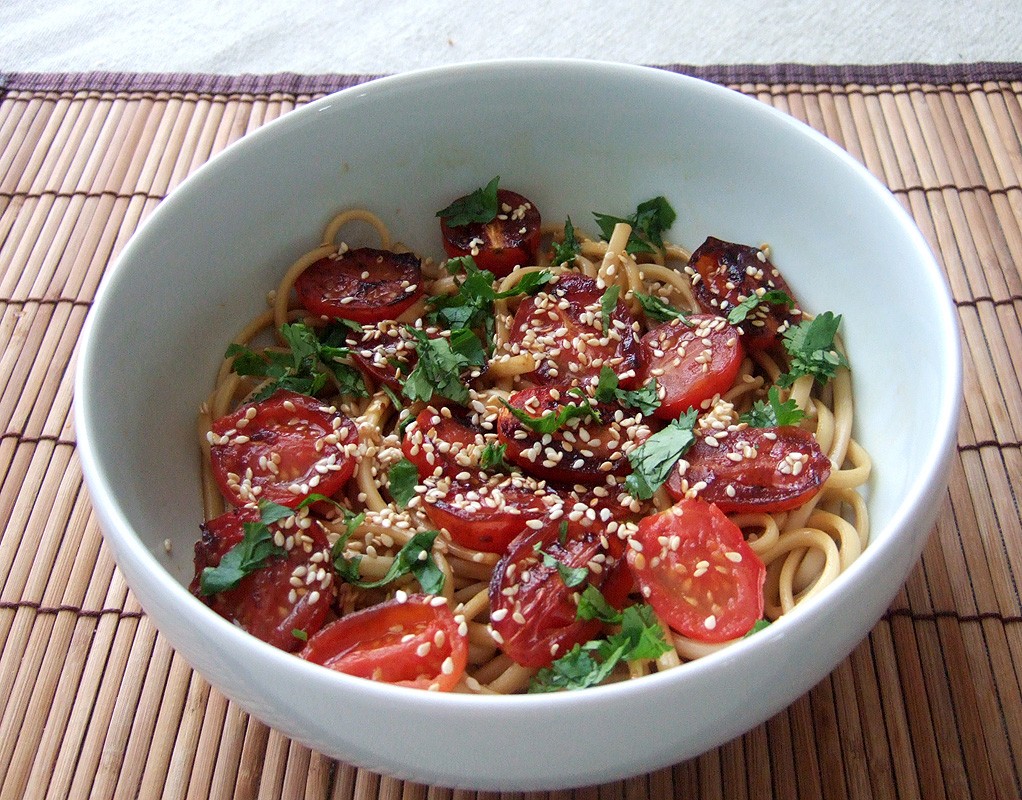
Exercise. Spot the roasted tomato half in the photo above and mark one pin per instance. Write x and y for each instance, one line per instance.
(753, 469)
(693, 566)
(275, 602)
(533, 592)
(363, 285)
(509, 239)
(563, 328)
(282, 449)
(584, 449)
(724, 274)
(414, 641)
(691, 360)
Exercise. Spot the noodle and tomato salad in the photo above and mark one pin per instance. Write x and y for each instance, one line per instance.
(549, 461)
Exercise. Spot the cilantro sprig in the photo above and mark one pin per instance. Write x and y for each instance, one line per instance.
(306, 365)
(578, 408)
(442, 360)
(590, 664)
(494, 458)
(810, 344)
(414, 557)
(645, 399)
(565, 252)
(649, 222)
(772, 413)
(471, 306)
(479, 206)
(571, 576)
(403, 477)
(608, 304)
(250, 554)
(658, 310)
(774, 297)
(653, 460)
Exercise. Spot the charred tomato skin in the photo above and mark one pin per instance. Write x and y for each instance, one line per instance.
(365, 285)
(754, 470)
(511, 239)
(725, 273)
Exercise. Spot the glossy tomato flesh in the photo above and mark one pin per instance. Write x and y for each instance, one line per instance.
(562, 327)
(265, 603)
(727, 273)
(693, 566)
(282, 449)
(364, 285)
(510, 239)
(416, 641)
(691, 360)
(754, 469)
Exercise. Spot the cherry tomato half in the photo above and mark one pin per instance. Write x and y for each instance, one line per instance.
(510, 239)
(363, 285)
(532, 609)
(416, 641)
(444, 437)
(562, 327)
(691, 360)
(265, 602)
(727, 273)
(582, 450)
(695, 569)
(754, 469)
(282, 449)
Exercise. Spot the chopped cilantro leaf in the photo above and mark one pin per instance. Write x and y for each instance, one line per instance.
(811, 347)
(772, 413)
(645, 399)
(572, 576)
(593, 605)
(653, 460)
(441, 363)
(648, 223)
(607, 305)
(298, 633)
(641, 637)
(403, 477)
(494, 458)
(658, 310)
(555, 420)
(248, 555)
(773, 297)
(565, 252)
(479, 206)
(413, 558)
(759, 625)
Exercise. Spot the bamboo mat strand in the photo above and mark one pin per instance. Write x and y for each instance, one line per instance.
(93, 701)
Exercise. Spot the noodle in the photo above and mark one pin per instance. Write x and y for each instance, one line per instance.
(804, 549)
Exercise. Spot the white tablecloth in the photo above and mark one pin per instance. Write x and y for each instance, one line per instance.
(381, 36)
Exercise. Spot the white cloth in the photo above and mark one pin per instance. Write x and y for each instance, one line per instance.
(383, 36)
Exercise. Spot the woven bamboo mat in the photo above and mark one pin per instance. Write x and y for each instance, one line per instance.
(93, 702)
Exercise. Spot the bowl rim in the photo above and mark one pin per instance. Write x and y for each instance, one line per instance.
(119, 532)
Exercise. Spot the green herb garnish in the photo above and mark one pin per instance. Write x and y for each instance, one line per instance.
(494, 458)
(250, 554)
(414, 557)
(608, 303)
(657, 309)
(649, 222)
(554, 420)
(645, 399)
(403, 477)
(772, 413)
(442, 361)
(565, 252)
(653, 460)
(479, 206)
(774, 297)
(811, 347)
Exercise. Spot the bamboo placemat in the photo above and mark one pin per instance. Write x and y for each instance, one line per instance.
(93, 702)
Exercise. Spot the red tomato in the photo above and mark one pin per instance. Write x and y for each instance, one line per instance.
(581, 451)
(695, 569)
(416, 641)
(753, 469)
(532, 610)
(282, 449)
(444, 437)
(486, 512)
(511, 239)
(266, 603)
(562, 327)
(692, 360)
(363, 285)
(725, 274)
(385, 353)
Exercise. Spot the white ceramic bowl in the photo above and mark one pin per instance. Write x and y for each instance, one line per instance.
(574, 137)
